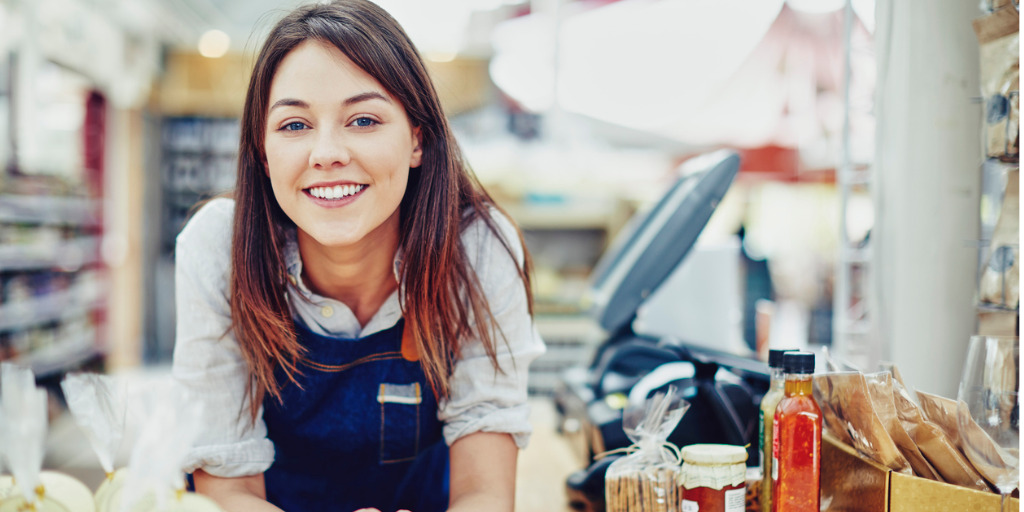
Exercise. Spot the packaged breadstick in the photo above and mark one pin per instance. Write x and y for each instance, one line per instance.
(97, 403)
(648, 479)
(23, 434)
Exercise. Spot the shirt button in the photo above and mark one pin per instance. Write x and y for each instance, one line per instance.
(327, 311)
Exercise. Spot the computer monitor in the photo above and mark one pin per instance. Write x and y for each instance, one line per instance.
(653, 244)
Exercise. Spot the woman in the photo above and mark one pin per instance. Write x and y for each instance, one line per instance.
(363, 341)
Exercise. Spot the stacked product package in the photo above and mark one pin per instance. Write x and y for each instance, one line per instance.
(877, 415)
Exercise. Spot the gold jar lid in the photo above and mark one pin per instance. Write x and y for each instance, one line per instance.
(714, 454)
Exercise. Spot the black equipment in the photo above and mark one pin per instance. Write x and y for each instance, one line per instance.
(724, 389)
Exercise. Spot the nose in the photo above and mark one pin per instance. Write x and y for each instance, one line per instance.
(329, 150)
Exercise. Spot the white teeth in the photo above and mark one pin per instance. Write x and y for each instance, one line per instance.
(335, 192)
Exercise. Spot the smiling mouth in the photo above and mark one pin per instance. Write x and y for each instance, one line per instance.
(336, 192)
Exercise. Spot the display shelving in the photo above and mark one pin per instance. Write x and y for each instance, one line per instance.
(197, 158)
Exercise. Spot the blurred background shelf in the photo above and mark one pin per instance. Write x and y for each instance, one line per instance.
(69, 254)
(36, 209)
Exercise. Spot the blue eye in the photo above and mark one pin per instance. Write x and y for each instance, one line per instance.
(294, 126)
(364, 122)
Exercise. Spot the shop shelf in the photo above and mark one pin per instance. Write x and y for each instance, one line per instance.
(61, 210)
(62, 355)
(49, 308)
(68, 255)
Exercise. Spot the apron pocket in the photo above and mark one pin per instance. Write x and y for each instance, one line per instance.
(399, 421)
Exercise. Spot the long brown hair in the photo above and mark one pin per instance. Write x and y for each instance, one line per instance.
(442, 300)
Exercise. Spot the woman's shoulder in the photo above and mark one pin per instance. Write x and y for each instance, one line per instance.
(483, 243)
(205, 241)
(212, 223)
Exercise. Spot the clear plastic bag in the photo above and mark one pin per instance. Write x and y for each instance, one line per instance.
(154, 481)
(648, 479)
(23, 434)
(97, 402)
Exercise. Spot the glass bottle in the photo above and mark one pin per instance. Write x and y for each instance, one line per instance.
(796, 447)
(771, 399)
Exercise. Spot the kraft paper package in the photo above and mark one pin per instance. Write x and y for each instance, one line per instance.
(1000, 279)
(23, 435)
(154, 480)
(935, 445)
(830, 417)
(999, 47)
(649, 478)
(880, 388)
(97, 402)
(846, 394)
(946, 413)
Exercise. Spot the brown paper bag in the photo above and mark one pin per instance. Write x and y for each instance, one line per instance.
(936, 447)
(999, 46)
(848, 396)
(1000, 279)
(880, 387)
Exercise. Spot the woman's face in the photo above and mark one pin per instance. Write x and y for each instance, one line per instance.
(338, 148)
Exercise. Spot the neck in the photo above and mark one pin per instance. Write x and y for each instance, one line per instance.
(360, 276)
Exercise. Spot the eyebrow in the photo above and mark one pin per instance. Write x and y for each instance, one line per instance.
(364, 96)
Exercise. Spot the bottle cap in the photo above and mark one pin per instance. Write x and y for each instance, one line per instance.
(775, 356)
(711, 454)
(798, 362)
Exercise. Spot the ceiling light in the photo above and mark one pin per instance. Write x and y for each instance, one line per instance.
(214, 44)
(816, 6)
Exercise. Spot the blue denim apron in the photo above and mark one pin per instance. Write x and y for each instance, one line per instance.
(361, 432)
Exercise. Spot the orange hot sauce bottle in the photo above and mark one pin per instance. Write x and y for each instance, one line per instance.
(796, 447)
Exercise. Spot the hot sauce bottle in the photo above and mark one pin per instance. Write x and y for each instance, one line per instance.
(766, 417)
(796, 447)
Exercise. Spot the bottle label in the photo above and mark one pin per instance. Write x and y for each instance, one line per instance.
(760, 438)
(736, 500)
(690, 506)
(775, 448)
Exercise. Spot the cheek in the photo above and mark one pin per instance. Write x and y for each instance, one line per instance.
(283, 159)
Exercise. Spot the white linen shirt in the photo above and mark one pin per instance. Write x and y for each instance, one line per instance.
(209, 362)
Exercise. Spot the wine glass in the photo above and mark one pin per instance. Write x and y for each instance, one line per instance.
(988, 410)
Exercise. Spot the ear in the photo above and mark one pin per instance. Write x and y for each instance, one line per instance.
(417, 148)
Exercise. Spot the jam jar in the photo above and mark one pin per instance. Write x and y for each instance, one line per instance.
(714, 478)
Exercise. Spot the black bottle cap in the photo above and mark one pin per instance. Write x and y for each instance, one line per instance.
(798, 362)
(775, 356)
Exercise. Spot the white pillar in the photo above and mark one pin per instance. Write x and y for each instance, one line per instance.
(927, 177)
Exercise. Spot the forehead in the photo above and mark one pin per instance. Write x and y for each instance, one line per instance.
(315, 70)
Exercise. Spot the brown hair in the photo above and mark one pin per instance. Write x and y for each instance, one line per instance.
(442, 300)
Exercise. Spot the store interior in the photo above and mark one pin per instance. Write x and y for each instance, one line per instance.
(867, 220)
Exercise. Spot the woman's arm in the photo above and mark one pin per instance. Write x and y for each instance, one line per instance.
(241, 494)
(483, 473)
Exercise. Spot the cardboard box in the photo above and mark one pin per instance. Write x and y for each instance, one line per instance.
(852, 483)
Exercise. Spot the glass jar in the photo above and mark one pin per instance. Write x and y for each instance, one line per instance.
(714, 478)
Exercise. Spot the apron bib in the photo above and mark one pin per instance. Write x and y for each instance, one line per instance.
(362, 431)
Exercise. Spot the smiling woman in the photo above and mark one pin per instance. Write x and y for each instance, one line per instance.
(373, 306)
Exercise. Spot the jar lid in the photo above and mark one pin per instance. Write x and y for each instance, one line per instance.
(708, 454)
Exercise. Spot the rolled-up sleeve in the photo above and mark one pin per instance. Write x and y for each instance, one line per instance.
(207, 359)
(484, 399)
